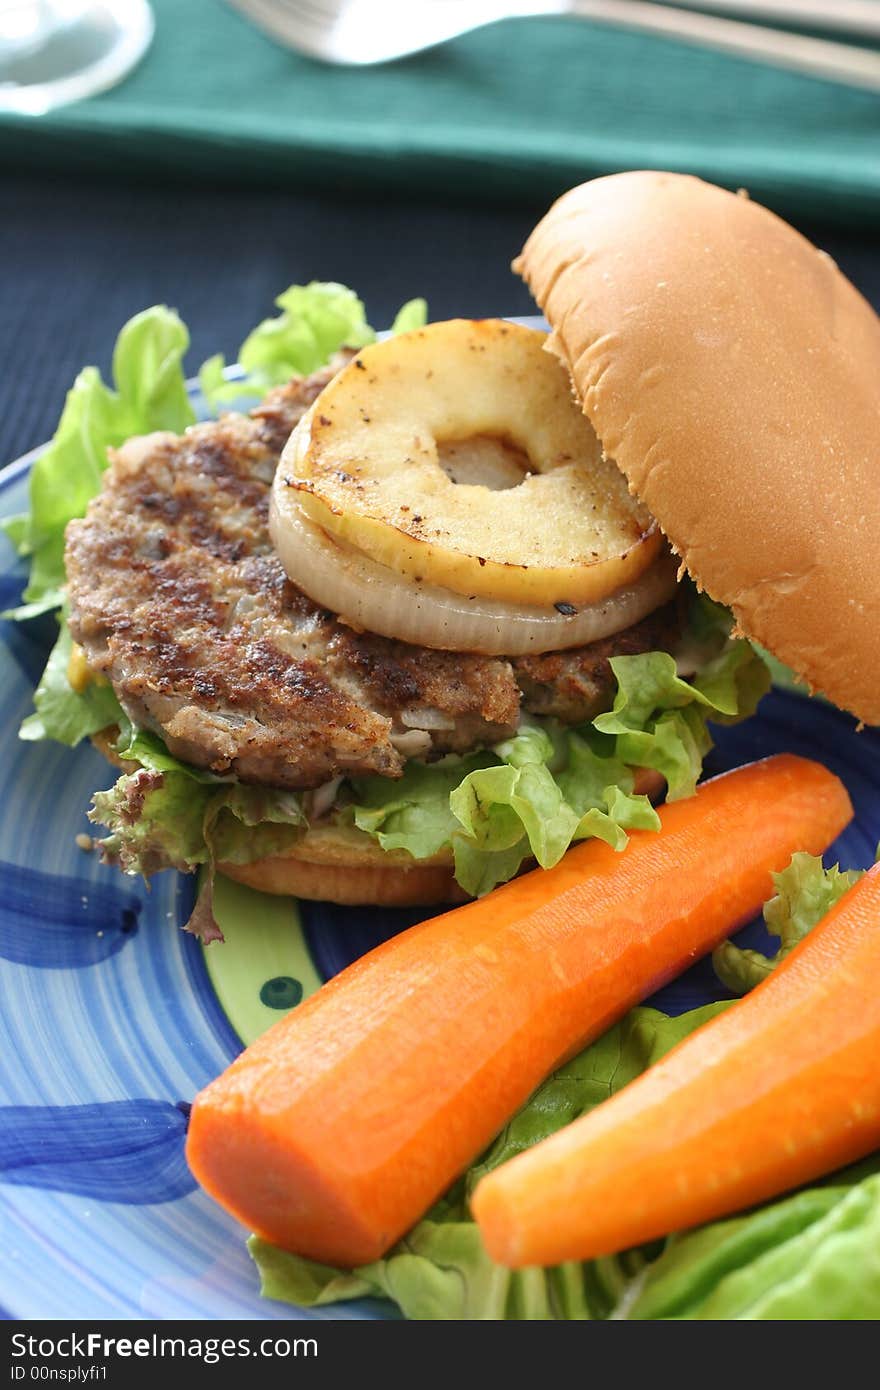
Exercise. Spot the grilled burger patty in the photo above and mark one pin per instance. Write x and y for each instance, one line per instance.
(176, 595)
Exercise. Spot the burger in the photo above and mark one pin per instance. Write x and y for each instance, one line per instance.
(433, 612)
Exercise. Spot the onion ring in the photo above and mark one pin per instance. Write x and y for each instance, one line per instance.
(374, 598)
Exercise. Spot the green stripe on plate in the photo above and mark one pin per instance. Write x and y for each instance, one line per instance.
(262, 968)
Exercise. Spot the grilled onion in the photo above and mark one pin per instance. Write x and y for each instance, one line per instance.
(373, 597)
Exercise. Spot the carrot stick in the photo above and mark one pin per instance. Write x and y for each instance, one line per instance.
(782, 1088)
(337, 1129)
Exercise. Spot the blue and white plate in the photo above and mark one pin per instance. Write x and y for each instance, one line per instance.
(112, 1018)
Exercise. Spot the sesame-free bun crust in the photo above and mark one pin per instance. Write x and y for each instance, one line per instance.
(340, 864)
(733, 374)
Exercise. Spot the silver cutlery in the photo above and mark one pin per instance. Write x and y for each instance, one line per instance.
(364, 32)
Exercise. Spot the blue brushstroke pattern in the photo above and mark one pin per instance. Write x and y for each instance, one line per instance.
(30, 643)
(128, 1151)
(53, 922)
(336, 936)
(790, 724)
(12, 584)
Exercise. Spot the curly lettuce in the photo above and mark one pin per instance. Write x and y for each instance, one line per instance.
(316, 321)
(149, 393)
(537, 793)
(169, 814)
(805, 892)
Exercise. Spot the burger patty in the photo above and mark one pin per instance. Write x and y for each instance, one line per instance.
(176, 595)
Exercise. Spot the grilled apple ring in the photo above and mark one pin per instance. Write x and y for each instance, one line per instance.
(375, 462)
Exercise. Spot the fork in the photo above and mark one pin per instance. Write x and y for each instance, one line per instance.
(364, 32)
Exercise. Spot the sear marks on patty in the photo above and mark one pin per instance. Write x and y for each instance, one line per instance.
(177, 596)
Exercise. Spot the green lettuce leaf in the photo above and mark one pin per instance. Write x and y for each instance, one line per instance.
(316, 320)
(812, 1256)
(805, 892)
(16, 529)
(213, 385)
(142, 746)
(539, 792)
(660, 721)
(169, 814)
(440, 1270)
(65, 714)
(521, 808)
(244, 823)
(156, 821)
(411, 315)
(150, 394)
(413, 813)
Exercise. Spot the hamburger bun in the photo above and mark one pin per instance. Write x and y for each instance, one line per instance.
(341, 864)
(731, 371)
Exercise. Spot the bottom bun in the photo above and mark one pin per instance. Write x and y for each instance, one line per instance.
(341, 864)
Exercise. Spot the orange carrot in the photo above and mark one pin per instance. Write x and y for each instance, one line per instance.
(336, 1130)
(782, 1088)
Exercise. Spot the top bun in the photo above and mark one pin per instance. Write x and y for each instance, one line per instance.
(733, 374)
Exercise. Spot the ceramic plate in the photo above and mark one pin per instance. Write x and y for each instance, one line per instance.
(113, 1018)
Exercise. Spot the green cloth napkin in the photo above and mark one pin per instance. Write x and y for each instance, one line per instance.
(520, 111)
